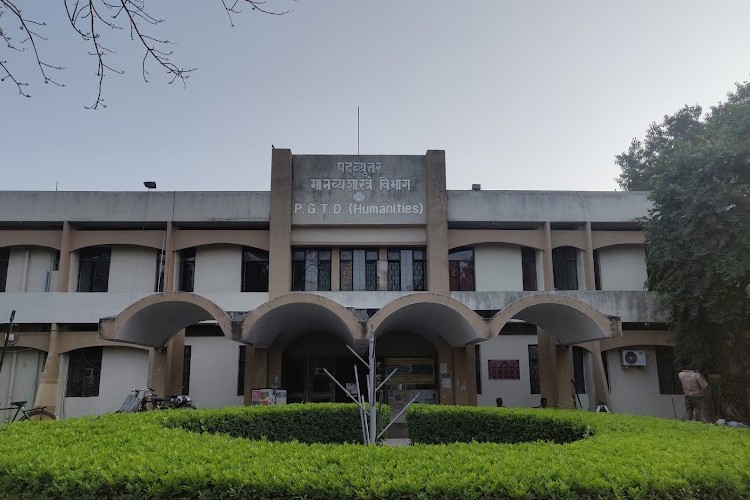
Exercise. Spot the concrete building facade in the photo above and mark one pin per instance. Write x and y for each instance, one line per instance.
(470, 295)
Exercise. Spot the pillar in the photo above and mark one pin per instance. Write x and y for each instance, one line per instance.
(437, 223)
(564, 355)
(280, 227)
(445, 372)
(47, 390)
(157, 370)
(175, 360)
(256, 371)
(588, 260)
(549, 276)
(547, 368)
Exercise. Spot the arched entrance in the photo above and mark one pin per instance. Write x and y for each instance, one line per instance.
(564, 322)
(294, 338)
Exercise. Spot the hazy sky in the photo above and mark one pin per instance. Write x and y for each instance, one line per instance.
(520, 94)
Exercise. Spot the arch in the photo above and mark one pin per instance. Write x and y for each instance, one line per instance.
(567, 320)
(604, 239)
(149, 238)
(533, 238)
(184, 238)
(431, 315)
(153, 320)
(297, 314)
(31, 238)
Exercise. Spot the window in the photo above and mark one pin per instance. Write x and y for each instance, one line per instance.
(159, 278)
(597, 271)
(565, 268)
(186, 357)
(187, 269)
(84, 372)
(254, 270)
(534, 368)
(528, 269)
(4, 258)
(461, 269)
(669, 382)
(358, 269)
(241, 371)
(93, 269)
(406, 269)
(311, 269)
(579, 381)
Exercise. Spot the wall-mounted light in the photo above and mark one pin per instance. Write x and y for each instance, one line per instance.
(150, 184)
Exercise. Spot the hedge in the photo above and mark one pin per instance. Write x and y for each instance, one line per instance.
(432, 424)
(143, 456)
(305, 423)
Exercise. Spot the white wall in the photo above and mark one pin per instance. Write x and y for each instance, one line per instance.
(213, 371)
(37, 269)
(19, 378)
(132, 268)
(623, 267)
(123, 369)
(514, 392)
(635, 390)
(498, 267)
(218, 268)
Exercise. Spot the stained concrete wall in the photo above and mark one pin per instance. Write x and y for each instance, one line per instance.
(20, 377)
(213, 372)
(37, 270)
(635, 390)
(122, 206)
(498, 267)
(514, 392)
(132, 269)
(123, 369)
(218, 268)
(558, 206)
(623, 267)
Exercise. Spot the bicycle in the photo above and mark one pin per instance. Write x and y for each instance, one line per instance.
(38, 413)
(146, 400)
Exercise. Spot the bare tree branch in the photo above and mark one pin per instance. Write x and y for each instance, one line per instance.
(91, 19)
(32, 36)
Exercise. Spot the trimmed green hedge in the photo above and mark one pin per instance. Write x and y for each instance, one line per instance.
(306, 423)
(433, 424)
(139, 456)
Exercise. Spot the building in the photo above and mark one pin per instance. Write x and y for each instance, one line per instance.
(473, 294)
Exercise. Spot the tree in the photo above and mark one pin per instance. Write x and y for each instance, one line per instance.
(94, 21)
(698, 236)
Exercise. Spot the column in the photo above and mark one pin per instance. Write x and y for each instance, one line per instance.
(47, 391)
(280, 248)
(175, 360)
(547, 368)
(256, 371)
(157, 370)
(588, 267)
(549, 276)
(445, 372)
(437, 223)
(564, 355)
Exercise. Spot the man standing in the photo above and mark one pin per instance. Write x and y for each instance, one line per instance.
(694, 387)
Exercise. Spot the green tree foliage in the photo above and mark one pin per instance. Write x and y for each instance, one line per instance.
(698, 236)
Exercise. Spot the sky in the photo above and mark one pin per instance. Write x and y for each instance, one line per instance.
(533, 94)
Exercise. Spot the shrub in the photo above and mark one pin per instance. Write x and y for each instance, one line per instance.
(143, 456)
(433, 424)
(306, 423)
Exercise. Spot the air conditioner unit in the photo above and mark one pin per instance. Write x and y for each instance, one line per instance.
(633, 358)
